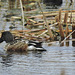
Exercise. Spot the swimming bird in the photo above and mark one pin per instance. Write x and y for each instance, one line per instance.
(19, 45)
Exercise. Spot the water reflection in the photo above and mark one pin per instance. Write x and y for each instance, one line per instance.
(37, 54)
(62, 72)
(6, 60)
(73, 43)
(67, 44)
(54, 61)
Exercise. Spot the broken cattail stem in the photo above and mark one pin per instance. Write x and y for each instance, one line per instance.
(60, 26)
(60, 15)
(49, 30)
(73, 35)
(61, 31)
(22, 13)
(67, 33)
(65, 17)
(56, 19)
(65, 22)
(70, 21)
(72, 1)
(67, 30)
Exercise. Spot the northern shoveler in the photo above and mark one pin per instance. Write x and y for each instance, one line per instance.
(19, 45)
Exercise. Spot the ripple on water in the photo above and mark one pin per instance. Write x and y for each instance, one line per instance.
(54, 61)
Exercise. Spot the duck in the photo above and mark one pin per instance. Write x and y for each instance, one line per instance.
(19, 44)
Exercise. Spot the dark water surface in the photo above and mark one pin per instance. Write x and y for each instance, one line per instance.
(65, 5)
(55, 61)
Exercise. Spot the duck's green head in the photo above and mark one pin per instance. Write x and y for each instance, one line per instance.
(7, 37)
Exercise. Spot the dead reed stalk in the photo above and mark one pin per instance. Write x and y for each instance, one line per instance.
(60, 26)
(48, 27)
(22, 13)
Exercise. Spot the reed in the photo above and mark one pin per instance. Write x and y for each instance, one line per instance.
(60, 26)
(48, 28)
(73, 35)
(22, 13)
(65, 22)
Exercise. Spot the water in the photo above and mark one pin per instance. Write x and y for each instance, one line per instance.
(55, 61)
